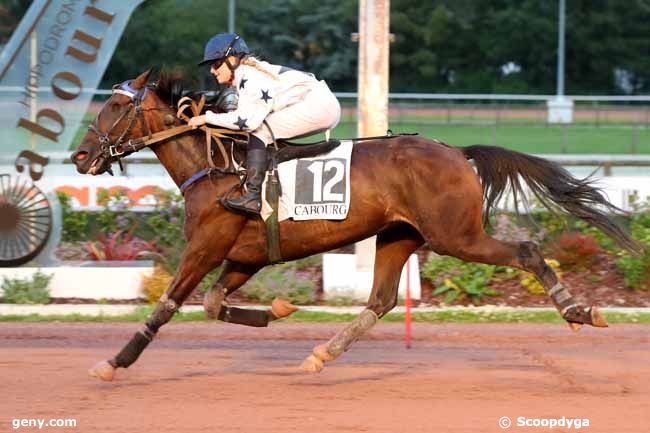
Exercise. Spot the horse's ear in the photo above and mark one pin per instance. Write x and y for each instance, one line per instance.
(142, 79)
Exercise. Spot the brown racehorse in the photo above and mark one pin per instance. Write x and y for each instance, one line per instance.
(406, 190)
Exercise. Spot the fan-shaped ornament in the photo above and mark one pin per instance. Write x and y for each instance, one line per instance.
(25, 221)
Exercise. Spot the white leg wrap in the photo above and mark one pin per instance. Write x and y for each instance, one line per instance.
(344, 339)
(559, 294)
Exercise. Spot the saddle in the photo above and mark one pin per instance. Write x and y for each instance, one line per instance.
(285, 151)
(288, 150)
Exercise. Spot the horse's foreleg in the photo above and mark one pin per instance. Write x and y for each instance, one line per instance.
(234, 275)
(195, 264)
(394, 247)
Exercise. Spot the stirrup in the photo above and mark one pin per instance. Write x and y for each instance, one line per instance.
(227, 203)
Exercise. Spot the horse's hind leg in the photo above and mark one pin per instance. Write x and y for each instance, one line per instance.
(233, 276)
(394, 247)
(530, 259)
(527, 256)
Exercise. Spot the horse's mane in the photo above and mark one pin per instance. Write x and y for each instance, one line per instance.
(169, 87)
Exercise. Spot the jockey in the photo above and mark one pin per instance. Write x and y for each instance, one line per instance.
(274, 102)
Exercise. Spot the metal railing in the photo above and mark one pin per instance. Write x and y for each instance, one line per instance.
(478, 109)
(622, 123)
(605, 162)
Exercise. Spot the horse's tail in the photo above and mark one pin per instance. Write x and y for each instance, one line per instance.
(554, 187)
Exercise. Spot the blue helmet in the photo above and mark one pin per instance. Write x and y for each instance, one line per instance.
(223, 45)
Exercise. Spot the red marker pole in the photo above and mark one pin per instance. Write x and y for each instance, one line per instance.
(407, 305)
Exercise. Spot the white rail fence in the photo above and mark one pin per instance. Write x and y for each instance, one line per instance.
(620, 177)
(481, 108)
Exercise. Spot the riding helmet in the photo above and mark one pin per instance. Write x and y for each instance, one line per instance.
(222, 45)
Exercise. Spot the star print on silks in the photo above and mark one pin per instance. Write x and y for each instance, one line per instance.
(241, 123)
(242, 83)
(265, 96)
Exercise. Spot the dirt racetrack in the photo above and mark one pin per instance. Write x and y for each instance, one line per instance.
(205, 377)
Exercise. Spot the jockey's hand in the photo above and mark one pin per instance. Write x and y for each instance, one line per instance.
(197, 121)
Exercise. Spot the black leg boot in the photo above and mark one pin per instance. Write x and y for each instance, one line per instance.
(251, 202)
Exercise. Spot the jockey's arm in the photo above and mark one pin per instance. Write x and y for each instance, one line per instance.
(215, 100)
(255, 103)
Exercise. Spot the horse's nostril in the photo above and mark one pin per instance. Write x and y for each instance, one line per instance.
(81, 156)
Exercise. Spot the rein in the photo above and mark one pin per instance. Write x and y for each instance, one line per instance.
(120, 149)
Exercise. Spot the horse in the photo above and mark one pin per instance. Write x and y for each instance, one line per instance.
(406, 190)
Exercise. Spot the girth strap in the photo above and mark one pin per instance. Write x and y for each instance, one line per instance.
(194, 178)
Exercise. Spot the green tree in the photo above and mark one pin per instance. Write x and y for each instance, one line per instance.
(606, 38)
(170, 34)
(441, 46)
(11, 12)
(308, 35)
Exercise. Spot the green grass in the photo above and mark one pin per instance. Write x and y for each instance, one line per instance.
(444, 316)
(464, 316)
(534, 138)
(529, 139)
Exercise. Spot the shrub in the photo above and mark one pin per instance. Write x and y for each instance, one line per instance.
(115, 215)
(28, 290)
(119, 246)
(460, 280)
(636, 269)
(209, 280)
(168, 218)
(552, 223)
(74, 251)
(605, 242)
(576, 250)
(167, 221)
(283, 281)
(529, 281)
(155, 285)
(74, 224)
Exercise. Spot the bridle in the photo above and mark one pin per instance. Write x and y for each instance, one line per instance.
(135, 111)
(120, 148)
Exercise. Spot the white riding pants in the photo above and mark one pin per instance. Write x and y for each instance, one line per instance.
(317, 111)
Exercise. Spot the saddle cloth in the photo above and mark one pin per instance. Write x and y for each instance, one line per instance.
(314, 188)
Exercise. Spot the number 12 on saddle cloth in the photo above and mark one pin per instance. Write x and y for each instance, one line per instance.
(314, 188)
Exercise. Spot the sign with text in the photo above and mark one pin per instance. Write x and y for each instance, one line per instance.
(322, 185)
(49, 72)
(315, 188)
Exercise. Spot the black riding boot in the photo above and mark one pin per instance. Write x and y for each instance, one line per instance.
(256, 164)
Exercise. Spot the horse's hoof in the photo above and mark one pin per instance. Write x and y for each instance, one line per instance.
(321, 353)
(281, 308)
(575, 327)
(311, 364)
(597, 318)
(103, 370)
